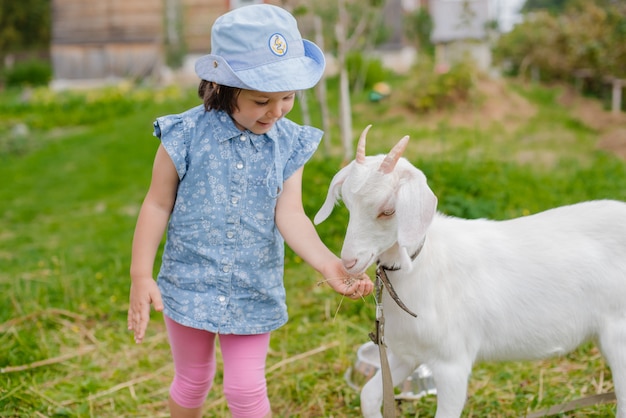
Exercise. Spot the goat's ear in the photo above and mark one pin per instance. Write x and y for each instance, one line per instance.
(416, 205)
(333, 195)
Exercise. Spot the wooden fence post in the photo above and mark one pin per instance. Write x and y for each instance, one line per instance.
(616, 95)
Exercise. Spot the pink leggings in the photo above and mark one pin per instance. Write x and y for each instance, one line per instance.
(244, 369)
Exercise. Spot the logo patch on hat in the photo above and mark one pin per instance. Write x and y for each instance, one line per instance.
(278, 44)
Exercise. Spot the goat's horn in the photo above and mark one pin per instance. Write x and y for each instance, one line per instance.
(360, 148)
(394, 155)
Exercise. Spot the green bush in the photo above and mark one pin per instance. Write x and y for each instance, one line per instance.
(586, 36)
(428, 90)
(363, 72)
(28, 73)
(42, 108)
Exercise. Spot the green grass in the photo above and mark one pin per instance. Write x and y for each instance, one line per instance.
(71, 191)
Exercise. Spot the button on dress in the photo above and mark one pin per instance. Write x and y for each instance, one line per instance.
(223, 260)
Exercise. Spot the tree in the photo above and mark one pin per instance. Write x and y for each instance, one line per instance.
(352, 25)
(24, 25)
(586, 35)
(418, 27)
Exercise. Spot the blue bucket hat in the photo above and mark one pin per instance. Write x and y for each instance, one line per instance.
(259, 47)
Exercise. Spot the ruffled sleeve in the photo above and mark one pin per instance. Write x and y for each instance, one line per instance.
(306, 141)
(175, 139)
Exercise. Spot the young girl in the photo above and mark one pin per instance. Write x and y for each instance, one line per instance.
(226, 182)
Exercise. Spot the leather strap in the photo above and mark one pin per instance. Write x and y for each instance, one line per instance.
(381, 275)
(389, 399)
(575, 404)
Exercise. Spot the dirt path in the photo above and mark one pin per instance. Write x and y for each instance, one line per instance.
(611, 127)
(502, 105)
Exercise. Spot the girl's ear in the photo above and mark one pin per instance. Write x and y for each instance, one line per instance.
(333, 194)
(416, 205)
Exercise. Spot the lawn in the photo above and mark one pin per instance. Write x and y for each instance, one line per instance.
(77, 165)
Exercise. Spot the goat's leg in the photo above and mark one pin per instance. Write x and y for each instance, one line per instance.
(612, 341)
(451, 382)
(372, 392)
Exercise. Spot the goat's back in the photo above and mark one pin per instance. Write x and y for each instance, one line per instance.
(517, 289)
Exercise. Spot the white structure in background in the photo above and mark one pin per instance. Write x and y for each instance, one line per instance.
(460, 30)
(395, 54)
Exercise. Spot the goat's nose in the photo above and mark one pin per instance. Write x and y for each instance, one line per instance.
(348, 264)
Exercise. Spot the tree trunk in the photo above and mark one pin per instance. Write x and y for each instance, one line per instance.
(346, 115)
(345, 109)
(320, 90)
(304, 107)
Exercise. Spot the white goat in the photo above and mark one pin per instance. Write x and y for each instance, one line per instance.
(526, 288)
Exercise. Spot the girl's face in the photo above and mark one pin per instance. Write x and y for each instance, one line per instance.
(258, 111)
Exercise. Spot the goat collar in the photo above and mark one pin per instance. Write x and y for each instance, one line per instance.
(394, 267)
(381, 277)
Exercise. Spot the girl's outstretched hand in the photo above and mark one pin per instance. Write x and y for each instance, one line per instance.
(143, 293)
(354, 287)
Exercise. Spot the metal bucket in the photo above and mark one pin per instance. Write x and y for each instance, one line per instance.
(420, 383)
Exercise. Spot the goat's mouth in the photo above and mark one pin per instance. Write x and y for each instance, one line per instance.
(358, 265)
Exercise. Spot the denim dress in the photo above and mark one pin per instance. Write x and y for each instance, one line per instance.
(223, 259)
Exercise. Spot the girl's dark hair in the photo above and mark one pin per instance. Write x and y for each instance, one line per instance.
(218, 97)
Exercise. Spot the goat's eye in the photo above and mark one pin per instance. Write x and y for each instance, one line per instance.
(387, 213)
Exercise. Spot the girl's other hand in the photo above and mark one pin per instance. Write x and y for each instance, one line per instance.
(143, 293)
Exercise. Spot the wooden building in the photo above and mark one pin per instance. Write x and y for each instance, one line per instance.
(102, 39)
(93, 39)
